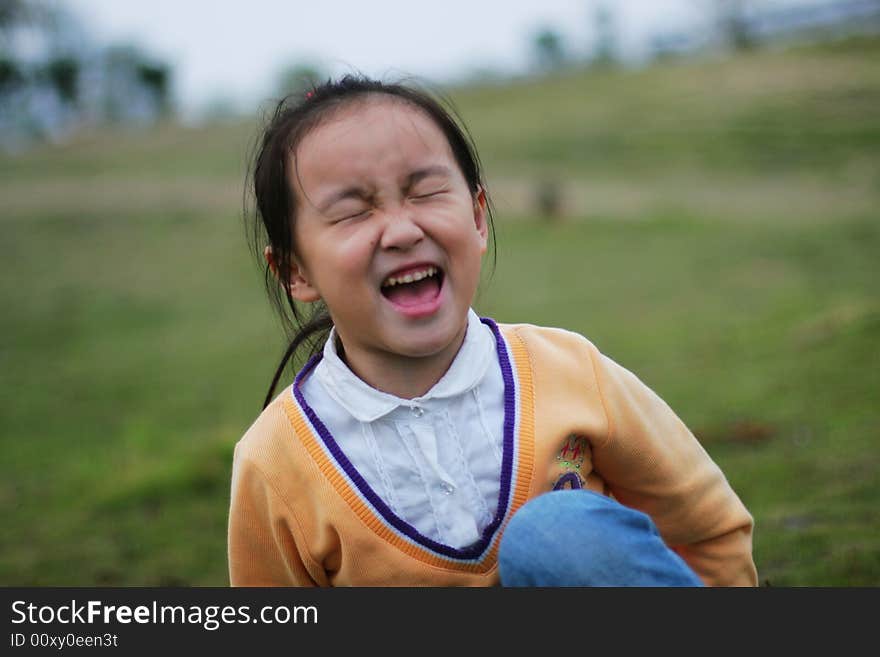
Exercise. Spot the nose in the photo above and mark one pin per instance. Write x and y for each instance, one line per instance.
(401, 230)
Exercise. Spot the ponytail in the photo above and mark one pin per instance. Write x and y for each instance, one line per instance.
(318, 326)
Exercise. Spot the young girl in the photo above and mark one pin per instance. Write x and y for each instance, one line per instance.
(418, 434)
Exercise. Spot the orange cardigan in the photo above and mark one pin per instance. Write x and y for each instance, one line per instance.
(301, 515)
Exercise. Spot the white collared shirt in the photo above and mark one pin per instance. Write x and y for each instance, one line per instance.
(435, 460)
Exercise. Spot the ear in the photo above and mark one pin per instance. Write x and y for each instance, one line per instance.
(481, 218)
(300, 288)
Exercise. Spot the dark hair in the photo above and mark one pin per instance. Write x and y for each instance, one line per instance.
(270, 222)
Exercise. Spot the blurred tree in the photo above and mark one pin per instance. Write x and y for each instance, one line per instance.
(135, 87)
(734, 24)
(63, 76)
(11, 76)
(13, 13)
(119, 65)
(604, 27)
(156, 78)
(22, 33)
(548, 49)
(299, 77)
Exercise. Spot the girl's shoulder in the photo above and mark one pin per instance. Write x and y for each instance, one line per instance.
(554, 354)
(271, 437)
(548, 341)
(563, 349)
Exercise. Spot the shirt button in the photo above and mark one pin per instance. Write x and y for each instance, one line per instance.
(418, 411)
(447, 489)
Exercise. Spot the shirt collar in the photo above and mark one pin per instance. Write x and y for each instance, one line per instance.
(367, 404)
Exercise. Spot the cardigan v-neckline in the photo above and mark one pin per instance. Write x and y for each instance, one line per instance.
(516, 464)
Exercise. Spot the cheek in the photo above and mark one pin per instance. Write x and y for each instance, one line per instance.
(466, 253)
(464, 237)
(351, 254)
(357, 244)
(455, 223)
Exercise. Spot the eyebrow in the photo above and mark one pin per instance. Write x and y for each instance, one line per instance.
(426, 172)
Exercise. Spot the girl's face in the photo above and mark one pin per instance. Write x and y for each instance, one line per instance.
(387, 231)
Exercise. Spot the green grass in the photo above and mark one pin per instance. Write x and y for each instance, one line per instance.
(137, 342)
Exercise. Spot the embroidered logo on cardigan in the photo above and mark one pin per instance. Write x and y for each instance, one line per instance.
(571, 458)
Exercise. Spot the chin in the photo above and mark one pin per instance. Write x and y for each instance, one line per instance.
(428, 341)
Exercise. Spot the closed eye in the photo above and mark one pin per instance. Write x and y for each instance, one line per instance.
(429, 194)
(355, 215)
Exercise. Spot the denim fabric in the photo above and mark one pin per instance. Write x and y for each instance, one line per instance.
(582, 538)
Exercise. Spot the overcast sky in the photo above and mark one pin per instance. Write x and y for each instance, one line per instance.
(235, 49)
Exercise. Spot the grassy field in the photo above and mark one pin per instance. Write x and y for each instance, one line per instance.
(720, 239)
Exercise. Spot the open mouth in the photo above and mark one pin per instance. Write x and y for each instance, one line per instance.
(413, 287)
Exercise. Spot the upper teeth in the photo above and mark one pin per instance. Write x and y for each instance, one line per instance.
(410, 277)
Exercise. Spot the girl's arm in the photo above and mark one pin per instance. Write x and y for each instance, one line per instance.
(262, 548)
(652, 462)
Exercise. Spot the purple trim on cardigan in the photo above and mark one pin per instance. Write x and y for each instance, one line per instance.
(475, 550)
(568, 477)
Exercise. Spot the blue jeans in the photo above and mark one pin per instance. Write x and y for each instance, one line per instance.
(582, 538)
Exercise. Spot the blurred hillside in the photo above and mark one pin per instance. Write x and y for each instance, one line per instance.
(717, 234)
(790, 132)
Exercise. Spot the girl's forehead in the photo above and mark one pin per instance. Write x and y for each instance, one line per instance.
(369, 135)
